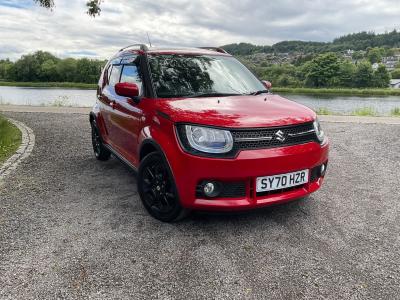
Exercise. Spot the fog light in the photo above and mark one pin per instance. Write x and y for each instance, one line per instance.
(211, 189)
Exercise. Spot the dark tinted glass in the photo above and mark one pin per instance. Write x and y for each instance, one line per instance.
(191, 75)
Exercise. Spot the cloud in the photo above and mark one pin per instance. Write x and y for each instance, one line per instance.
(68, 31)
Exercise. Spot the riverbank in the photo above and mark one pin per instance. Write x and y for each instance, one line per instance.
(67, 85)
(304, 91)
(338, 91)
(10, 139)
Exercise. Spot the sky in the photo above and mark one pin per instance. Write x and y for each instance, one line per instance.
(67, 31)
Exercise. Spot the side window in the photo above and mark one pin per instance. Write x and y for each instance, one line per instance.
(114, 75)
(130, 73)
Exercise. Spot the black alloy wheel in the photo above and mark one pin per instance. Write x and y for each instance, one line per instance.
(157, 189)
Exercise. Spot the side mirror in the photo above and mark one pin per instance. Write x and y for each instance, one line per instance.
(127, 89)
(267, 84)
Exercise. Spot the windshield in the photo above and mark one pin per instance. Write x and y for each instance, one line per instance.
(200, 75)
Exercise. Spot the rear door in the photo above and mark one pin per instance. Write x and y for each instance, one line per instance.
(108, 99)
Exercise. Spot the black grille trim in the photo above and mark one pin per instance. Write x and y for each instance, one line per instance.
(294, 135)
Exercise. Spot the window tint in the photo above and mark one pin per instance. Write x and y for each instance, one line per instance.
(115, 74)
(191, 75)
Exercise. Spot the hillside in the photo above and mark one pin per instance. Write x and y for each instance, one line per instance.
(355, 41)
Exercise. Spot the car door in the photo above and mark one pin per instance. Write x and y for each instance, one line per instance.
(108, 101)
(127, 113)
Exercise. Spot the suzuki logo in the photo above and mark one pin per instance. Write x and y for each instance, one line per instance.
(280, 136)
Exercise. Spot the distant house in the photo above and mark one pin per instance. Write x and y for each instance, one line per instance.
(391, 61)
(375, 66)
(395, 83)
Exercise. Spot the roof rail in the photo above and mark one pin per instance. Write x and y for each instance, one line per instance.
(142, 47)
(217, 49)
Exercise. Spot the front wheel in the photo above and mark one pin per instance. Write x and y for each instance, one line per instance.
(157, 189)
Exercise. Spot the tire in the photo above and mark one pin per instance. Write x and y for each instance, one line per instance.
(157, 189)
(101, 152)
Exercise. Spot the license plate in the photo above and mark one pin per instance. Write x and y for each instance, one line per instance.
(281, 181)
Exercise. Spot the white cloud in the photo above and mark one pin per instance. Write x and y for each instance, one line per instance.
(69, 31)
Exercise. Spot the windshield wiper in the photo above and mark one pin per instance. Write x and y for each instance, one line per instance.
(259, 92)
(213, 95)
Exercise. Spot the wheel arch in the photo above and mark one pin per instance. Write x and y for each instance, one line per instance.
(148, 146)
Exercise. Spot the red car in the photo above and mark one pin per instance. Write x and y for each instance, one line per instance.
(203, 133)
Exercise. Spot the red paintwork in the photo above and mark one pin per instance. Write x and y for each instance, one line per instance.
(127, 89)
(125, 126)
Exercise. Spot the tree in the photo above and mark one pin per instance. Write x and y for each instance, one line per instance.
(374, 55)
(345, 75)
(93, 6)
(396, 74)
(363, 75)
(381, 77)
(5, 68)
(322, 70)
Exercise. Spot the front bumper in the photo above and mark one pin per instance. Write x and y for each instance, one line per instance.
(189, 171)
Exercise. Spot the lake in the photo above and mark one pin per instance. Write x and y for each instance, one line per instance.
(86, 98)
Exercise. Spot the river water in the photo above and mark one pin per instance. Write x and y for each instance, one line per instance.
(86, 98)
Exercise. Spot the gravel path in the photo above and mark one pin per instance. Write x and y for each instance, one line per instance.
(72, 227)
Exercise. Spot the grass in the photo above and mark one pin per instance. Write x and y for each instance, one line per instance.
(72, 85)
(339, 91)
(10, 139)
(323, 111)
(365, 112)
(395, 112)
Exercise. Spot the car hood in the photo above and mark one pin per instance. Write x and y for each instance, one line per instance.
(237, 111)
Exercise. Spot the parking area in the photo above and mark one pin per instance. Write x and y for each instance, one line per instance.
(72, 227)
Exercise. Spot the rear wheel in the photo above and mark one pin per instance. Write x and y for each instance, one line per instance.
(101, 152)
(157, 189)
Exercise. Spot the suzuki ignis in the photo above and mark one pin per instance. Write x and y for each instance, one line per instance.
(203, 133)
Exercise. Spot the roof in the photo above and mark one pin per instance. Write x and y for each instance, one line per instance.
(394, 81)
(173, 50)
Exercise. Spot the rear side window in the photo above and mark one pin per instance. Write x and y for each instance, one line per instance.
(130, 73)
(115, 74)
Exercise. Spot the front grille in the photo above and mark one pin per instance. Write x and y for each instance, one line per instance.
(235, 189)
(274, 136)
(257, 138)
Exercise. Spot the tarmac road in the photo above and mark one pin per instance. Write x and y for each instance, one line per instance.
(74, 228)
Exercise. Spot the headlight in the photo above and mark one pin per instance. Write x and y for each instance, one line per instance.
(209, 140)
(318, 131)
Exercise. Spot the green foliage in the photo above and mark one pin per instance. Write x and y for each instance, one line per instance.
(381, 77)
(74, 85)
(323, 70)
(323, 111)
(395, 74)
(10, 139)
(363, 75)
(93, 6)
(374, 55)
(355, 41)
(45, 67)
(364, 112)
(395, 112)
